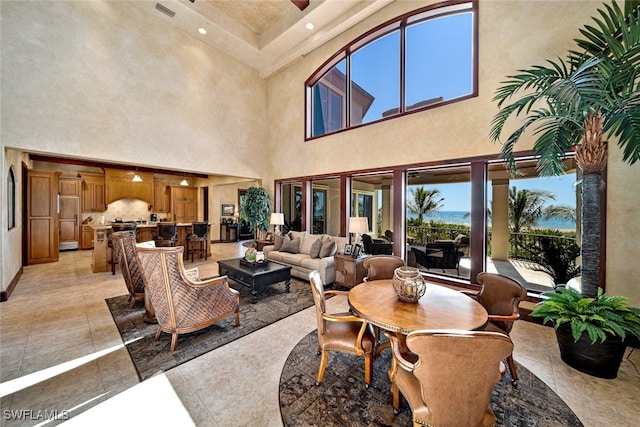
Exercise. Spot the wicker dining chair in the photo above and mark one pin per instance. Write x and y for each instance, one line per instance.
(182, 303)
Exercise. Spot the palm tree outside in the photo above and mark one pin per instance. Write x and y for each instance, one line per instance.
(528, 207)
(424, 202)
(569, 103)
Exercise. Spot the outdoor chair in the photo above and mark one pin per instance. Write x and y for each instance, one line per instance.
(451, 382)
(376, 246)
(183, 303)
(500, 296)
(341, 332)
(440, 255)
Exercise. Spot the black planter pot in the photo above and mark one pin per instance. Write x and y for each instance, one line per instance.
(601, 360)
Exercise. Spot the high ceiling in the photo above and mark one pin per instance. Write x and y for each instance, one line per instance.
(264, 34)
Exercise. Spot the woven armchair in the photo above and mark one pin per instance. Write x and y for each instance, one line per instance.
(183, 303)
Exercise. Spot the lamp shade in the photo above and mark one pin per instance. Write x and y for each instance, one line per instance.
(358, 224)
(276, 219)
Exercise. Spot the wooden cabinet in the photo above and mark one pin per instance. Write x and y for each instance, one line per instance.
(184, 202)
(87, 237)
(161, 196)
(120, 185)
(69, 190)
(42, 217)
(145, 234)
(349, 271)
(69, 186)
(93, 193)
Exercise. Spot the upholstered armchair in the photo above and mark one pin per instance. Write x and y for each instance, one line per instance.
(381, 266)
(451, 382)
(341, 332)
(500, 296)
(376, 246)
(183, 303)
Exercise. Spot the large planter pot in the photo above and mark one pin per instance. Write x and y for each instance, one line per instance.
(601, 360)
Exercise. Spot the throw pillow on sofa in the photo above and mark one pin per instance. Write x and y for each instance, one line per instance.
(314, 252)
(328, 249)
(291, 246)
(277, 244)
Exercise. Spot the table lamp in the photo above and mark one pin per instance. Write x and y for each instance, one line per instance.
(277, 219)
(358, 225)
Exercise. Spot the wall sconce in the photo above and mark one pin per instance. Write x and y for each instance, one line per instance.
(358, 225)
(277, 219)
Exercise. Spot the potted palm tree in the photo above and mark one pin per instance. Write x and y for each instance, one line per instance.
(256, 210)
(569, 103)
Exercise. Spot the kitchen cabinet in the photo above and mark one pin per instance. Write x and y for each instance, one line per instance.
(87, 237)
(145, 234)
(119, 185)
(161, 196)
(42, 217)
(93, 192)
(184, 202)
(69, 190)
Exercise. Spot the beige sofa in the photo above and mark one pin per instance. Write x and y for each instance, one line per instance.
(298, 251)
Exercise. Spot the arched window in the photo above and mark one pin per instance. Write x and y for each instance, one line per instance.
(11, 199)
(417, 61)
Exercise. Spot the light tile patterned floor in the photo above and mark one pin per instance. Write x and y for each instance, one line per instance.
(61, 353)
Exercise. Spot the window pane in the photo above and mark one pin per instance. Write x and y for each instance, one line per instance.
(328, 97)
(439, 60)
(375, 79)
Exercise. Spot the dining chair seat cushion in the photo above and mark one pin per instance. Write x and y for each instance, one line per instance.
(343, 336)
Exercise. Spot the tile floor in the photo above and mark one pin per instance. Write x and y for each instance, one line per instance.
(61, 354)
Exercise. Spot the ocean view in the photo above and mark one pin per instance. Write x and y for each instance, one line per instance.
(460, 217)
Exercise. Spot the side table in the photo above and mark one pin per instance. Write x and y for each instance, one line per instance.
(349, 271)
(260, 244)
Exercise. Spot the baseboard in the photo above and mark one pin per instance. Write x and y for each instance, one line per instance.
(4, 295)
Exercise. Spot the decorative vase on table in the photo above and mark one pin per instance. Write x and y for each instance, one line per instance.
(409, 284)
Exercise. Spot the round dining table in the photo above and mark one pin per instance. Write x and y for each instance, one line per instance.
(439, 308)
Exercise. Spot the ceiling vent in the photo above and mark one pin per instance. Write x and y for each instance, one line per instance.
(170, 13)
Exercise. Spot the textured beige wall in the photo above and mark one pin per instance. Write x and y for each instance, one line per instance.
(513, 35)
(112, 81)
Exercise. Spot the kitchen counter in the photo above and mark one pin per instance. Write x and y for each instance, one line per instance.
(144, 232)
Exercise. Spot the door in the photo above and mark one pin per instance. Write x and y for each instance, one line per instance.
(42, 217)
(69, 190)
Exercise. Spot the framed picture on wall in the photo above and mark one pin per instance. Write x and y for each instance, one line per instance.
(228, 210)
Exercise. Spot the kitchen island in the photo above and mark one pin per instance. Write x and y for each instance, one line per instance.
(144, 233)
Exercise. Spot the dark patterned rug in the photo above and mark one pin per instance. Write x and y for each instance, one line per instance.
(151, 357)
(342, 400)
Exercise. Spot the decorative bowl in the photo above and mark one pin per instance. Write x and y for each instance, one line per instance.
(409, 284)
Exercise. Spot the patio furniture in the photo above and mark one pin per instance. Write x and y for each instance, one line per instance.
(376, 246)
(440, 255)
(182, 303)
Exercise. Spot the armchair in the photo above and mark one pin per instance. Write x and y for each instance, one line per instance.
(183, 303)
(442, 255)
(341, 332)
(500, 296)
(376, 246)
(465, 364)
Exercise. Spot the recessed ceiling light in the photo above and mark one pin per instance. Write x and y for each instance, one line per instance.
(202, 31)
(309, 26)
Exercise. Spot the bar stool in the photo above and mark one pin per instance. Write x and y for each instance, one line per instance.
(166, 234)
(130, 228)
(197, 240)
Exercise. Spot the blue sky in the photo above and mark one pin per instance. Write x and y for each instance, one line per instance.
(457, 197)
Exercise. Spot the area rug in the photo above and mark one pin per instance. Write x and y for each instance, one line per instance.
(151, 357)
(342, 400)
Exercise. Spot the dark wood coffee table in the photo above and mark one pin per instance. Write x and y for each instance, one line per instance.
(257, 277)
